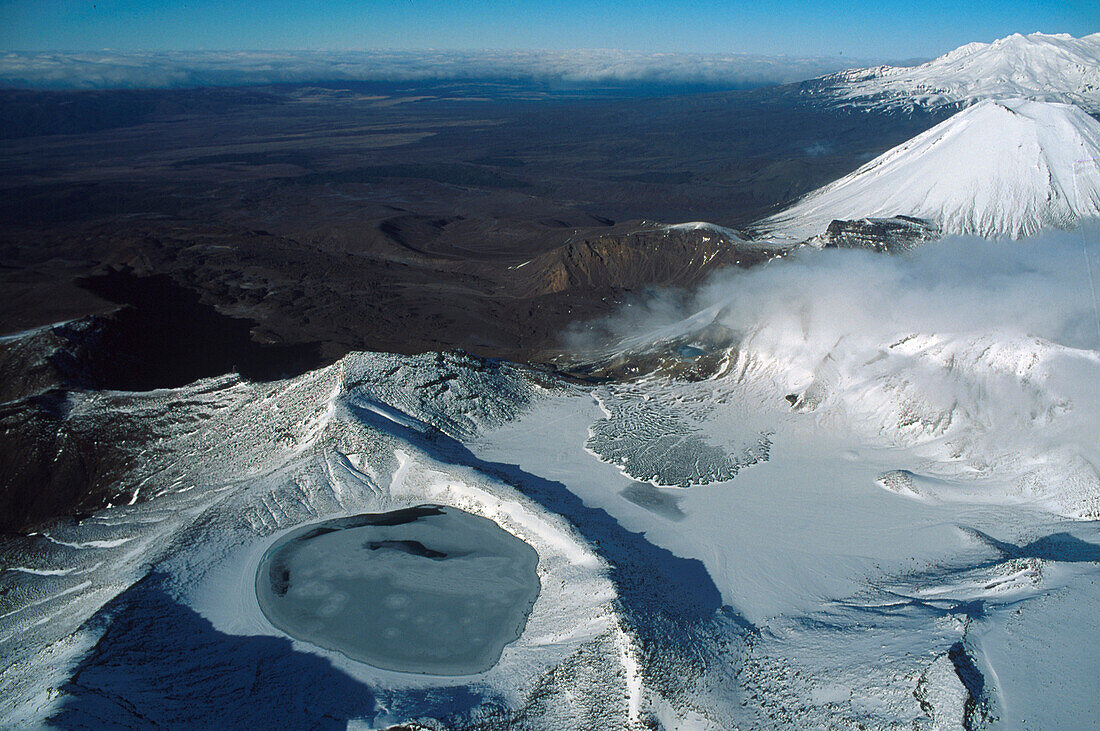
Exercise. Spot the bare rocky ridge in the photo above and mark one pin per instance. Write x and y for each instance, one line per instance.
(639, 256)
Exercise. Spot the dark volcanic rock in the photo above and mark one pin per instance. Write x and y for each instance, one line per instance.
(54, 464)
(890, 235)
(165, 337)
(398, 224)
(54, 461)
(645, 255)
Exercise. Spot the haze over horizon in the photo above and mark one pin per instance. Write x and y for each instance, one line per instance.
(890, 30)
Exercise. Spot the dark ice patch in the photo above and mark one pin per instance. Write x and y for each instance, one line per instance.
(416, 548)
(654, 499)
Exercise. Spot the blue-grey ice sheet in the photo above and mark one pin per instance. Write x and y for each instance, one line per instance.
(428, 589)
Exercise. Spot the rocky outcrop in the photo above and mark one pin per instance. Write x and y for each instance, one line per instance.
(884, 235)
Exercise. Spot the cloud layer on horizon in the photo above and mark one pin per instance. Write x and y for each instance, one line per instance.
(181, 69)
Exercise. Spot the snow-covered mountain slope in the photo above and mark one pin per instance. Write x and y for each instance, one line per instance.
(1053, 68)
(998, 168)
(784, 588)
(981, 418)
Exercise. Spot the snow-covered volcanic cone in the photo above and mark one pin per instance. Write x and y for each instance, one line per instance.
(999, 168)
(1052, 68)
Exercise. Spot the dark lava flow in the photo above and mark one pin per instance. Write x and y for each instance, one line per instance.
(164, 337)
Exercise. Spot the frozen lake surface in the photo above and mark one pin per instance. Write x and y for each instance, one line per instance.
(428, 589)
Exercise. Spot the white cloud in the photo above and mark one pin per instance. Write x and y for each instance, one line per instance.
(981, 358)
(1038, 287)
(106, 69)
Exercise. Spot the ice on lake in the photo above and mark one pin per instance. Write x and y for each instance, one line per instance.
(429, 589)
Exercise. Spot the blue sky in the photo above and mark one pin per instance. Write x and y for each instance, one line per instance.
(886, 29)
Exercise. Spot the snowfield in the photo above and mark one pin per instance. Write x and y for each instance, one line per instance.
(999, 168)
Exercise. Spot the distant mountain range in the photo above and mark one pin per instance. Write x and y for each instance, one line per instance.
(1050, 68)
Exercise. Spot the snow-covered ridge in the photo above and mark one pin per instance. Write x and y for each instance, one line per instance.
(998, 168)
(346, 439)
(1052, 68)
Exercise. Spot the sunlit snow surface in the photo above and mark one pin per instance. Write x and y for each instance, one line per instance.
(1051, 68)
(999, 168)
(426, 589)
(909, 538)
